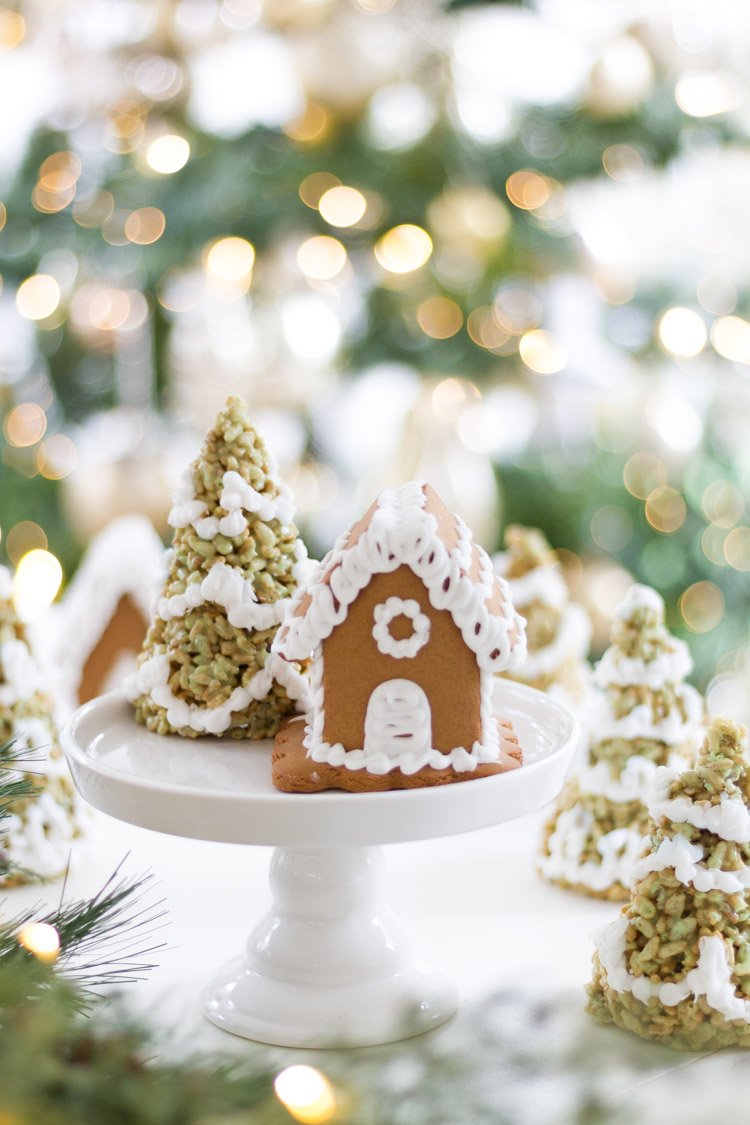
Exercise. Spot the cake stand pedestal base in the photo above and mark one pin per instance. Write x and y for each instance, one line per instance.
(329, 965)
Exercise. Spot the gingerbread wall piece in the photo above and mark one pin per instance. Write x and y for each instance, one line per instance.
(407, 624)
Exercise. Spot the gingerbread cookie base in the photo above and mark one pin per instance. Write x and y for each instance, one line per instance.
(294, 772)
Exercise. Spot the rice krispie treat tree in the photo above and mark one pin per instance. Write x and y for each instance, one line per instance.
(641, 716)
(675, 966)
(558, 631)
(206, 665)
(37, 835)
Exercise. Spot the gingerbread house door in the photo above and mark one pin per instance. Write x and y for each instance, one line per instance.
(398, 720)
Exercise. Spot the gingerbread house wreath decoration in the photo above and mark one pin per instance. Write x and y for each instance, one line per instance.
(407, 624)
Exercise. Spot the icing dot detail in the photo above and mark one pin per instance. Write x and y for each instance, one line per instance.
(386, 613)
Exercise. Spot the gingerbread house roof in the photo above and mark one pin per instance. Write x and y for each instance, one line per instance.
(410, 526)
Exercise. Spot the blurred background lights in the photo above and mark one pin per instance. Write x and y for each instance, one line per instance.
(723, 503)
(730, 336)
(450, 396)
(37, 579)
(708, 93)
(675, 420)
(38, 296)
(439, 317)
(145, 225)
(230, 262)
(611, 528)
(321, 258)
(109, 309)
(643, 473)
(56, 457)
(528, 189)
(737, 548)
(42, 940)
(682, 332)
(702, 606)
(311, 328)
(665, 509)
(403, 248)
(716, 294)
(25, 424)
(24, 537)
(168, 153)
(342, 206)
(12, 29)
(313, 187)
(542, 352)
(623, 163)
(306, 1093)
(399, 115)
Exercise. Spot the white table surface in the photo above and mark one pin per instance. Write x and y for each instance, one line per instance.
(475, 906)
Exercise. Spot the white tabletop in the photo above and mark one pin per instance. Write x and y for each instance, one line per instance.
(475, 906)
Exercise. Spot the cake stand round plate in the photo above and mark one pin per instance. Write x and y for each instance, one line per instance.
(329, 964)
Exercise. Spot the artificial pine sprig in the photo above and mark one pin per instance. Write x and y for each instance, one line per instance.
(15, 785)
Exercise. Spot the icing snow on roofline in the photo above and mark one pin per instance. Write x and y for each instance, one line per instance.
(437, 546)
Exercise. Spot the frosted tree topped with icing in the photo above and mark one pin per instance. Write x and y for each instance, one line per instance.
(38, 834)
(676, 965)
(642, 715)
(558, 631)
(235, 560)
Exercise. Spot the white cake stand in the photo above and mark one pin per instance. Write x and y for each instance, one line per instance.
(329, 964)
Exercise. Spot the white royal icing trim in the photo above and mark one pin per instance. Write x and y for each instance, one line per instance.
(572, 640)
(540, 584)
(684, 859)
(639, 596)
(152, 679)
(730, 819)
(667, 667)
(711, 977)
(236, 495)
(225, 586)
(633, 783)
(406, 647)
(672, 729)
(402, 533)
(618, 850)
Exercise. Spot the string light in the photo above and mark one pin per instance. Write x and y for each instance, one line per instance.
(229, 262)
(38, 296)
(12, 29)
(145, 225)
(528, 190)
(342, 206)
(682, 332)
(730, 336)
(37, 579)
(542, 352)
(314, 186)
(306, 1093)
(313, 125)
(321, 258)
(25, 424)
(403, 249)
(439, 317)
(707, 94)
(168, 153)
(42, 940)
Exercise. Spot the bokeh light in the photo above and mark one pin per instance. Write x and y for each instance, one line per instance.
(611, 528)
(306, 1093)
(542, 352)
(439, 317)
(702, 606)
(168, 153)
(665, 509)
(321, 257)
(403, 249)
(730, 336)
(682, 332)
(723, 503)
(56, 457)
(229, 262)
(38, 296)
(313, 187)
(23, 537)
(342, 206)
(702, 93)
(41, 939)
(145, 225)
(37, 579)
(643, 473)
(12, 29)
(528, 190)
(737, 548)
(25, 424)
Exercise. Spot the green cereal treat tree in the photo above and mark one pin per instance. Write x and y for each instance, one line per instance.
(37, 836)
(235, 561)
(641, 716)
(675, 966)
(558, 631)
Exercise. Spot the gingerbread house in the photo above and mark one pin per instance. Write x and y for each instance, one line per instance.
(407, 624)
(99, 625)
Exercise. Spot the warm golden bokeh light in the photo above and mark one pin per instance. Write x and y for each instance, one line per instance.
(314, 186)
(702, 606)
(312, 126)
(37, 579)
(230, 261)
(737, 548)
(665, 509)
(60, 171)
(306, 1093)
(730, 336)
(342, 206)
(707, 93)
(145, 225)
(542, 352)
(643, 473)
(439, 317)
(168, 153)
(321, 258)
(682, 332)
(94, 211)
(712, 544)
(451, 395)
(528, 189)
(56, 457)
(38, 296)
(723, 503)
(3, 215)
(42, 940)
(517, 310)
(25, 424)
(109, 309)
(623, 163)
(403, 249)
(12, 29)
(24, 537)
(484, 329)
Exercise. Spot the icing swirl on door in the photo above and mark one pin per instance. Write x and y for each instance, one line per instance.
(398, 723)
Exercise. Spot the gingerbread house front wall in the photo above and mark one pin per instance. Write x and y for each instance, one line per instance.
(444, 668)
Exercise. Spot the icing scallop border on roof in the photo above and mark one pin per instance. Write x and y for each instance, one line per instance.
(401, 532)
